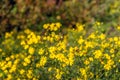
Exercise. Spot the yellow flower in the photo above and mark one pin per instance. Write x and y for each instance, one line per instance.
(105, 45)
(112, 55)
(59, 74)
(107, 56)
(9, 77)
(7, 58)
(30, 74)
(52, 27)
(24, 64)
(111, 50)
(119, 60)
(17, 55)
(60, 57)
(9, 63)
(119, 42)
(20, 37)
(30, 41)
(52, 56)
(52, 49)
(22, 71)
(43, 60)
(45, 26)
(97, 54)
(115, 39)
(118, 27)
(13, 69)
(98, 23)
(55, 28)
(0, 50)
(83, 71)
(4, 67)
(37, 65)
(71, 58)
(102, 36)
(57, 37)
(22, 42)
(27, 31)
(12, 56)
(16, 61)
(89, 44)
(79, 27)
(81, 40)
(35, 79)
(18, 79)
(107, 67)
(27, 60)
(58, 24)
(26, 46)
(31, 50)
(41, 51)
(109, 64)
(6, 71)
(92, 35)
(90, 58)
(50, 68)
(86, 62)
(7, 35)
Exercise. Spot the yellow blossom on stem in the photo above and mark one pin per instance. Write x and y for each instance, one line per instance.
(31, 50)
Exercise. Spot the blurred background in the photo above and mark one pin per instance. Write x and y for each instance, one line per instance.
(21, 14)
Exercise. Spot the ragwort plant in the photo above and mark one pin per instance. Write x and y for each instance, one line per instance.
(53, 56)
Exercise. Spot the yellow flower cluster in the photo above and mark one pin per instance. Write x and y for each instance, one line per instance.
(52, 56)
(52, 26)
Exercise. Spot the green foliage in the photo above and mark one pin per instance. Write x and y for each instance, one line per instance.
(22, 14)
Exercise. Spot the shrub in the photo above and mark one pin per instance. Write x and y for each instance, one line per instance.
(53, 56)
(21, 14)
